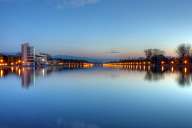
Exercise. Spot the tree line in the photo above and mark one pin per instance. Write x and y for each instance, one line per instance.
(183, 50)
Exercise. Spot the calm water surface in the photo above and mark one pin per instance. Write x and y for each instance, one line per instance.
(94, 98)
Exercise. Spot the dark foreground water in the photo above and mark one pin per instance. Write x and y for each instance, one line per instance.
(95, 98)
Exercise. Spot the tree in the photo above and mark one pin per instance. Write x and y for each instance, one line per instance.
(148, 53)
(153, 52)
(158, 52)
(183, 50)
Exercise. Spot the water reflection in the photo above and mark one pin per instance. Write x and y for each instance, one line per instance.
(28, 75)
(95, 98)
(155, 73)
(152, 73)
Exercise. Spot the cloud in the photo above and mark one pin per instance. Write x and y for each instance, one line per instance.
(115, 52)
(58, 3)
(74, 3)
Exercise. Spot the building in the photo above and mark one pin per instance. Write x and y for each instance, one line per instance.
(27, 55)
(41, 59)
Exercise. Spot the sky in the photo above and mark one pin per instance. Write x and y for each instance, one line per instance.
(95, 28)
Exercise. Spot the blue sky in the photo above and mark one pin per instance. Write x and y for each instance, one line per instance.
(95, 27)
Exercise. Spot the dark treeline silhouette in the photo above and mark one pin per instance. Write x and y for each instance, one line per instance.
(157, 57)
(10, 58)
(156, 64)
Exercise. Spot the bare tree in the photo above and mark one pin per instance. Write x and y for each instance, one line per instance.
(153, 52)
(148, 53)
(157, 52)
(183, 50)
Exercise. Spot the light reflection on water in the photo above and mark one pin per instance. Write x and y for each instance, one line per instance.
(28, 75)
(128, 97)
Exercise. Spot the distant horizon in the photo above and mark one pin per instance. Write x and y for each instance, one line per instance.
(112, 54)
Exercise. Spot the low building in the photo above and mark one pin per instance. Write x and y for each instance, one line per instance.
(41, 59)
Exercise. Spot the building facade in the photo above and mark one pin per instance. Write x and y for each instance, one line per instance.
(27, 55)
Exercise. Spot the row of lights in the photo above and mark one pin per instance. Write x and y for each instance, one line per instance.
(127, 63)
(134, 67)
(73, 65)
(140, 67)
(142, 63)
(172, 62)
(3, 63)
(87, 65)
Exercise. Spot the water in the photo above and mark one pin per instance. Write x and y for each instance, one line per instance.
(95, 98)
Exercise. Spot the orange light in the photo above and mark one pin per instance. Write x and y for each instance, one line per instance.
(162, 62)
(172, 62)
(19, 72)
(185, 62)
(162, 68)
(144, 67)
(61, 63)
(1, 73)
(1, 60)
(185, 70)
(87, 65)
(172, 69)
(12, 69)
(19, 61)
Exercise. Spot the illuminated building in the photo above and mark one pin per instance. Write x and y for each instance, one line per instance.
(41, 59)
(27, 55)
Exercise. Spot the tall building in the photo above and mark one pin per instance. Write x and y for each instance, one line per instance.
(27, 54)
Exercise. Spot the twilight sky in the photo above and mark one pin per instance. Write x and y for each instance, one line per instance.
(95, 27)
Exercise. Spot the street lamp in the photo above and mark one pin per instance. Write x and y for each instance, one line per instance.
(185, 62)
